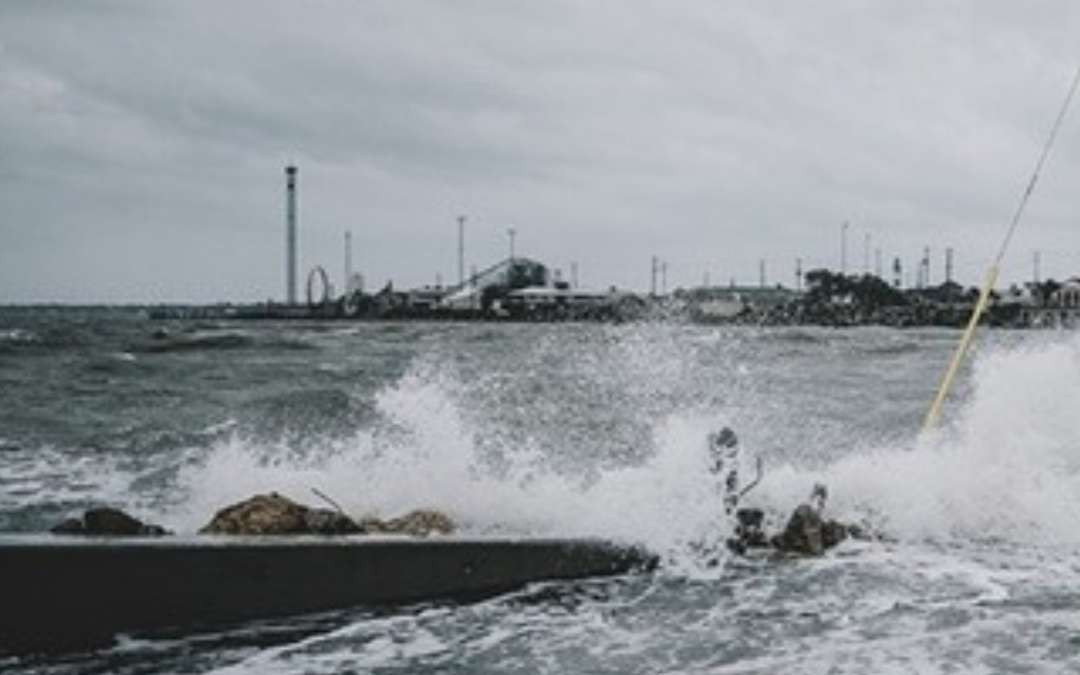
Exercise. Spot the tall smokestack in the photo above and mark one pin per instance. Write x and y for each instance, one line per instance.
(290, 234)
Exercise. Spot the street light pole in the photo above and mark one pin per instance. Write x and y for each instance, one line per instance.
(843, 247)
(866, 254)
(461, 250)
(511, 233)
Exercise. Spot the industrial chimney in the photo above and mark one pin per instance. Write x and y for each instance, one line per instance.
(290, 235)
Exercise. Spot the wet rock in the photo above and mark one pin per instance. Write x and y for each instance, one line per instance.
(106, 521)
(421, 523)
(807, 533)
(273, 514)
(324, 521)
(803, 533)
(70, 526)
(833, 532)
(749, 531)
(418, 523)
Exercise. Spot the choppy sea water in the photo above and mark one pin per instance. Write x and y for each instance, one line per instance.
(580, 429)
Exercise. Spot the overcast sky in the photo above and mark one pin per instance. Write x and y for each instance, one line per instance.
(142, 144)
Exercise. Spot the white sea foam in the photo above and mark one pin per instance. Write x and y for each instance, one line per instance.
(1008, 467)
(47, 475)
(998, 493)
(429, 458)
(17, 335)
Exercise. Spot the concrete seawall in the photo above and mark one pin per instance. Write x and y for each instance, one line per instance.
(63, 594)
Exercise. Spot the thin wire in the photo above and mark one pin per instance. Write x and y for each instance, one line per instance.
(1038, 168)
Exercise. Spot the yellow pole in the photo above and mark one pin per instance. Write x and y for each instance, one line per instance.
(934, 414)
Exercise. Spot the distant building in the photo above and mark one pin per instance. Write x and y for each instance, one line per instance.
(724, 302)
(485, 289)
(1019, 295)
(425, 298)
(1067, 296)
(1057, 308)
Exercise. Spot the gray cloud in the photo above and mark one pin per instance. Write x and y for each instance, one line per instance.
(141, 144)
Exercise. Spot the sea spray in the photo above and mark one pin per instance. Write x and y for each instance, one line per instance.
(424, 453)
(1007, 466)
(599, 429)
(1004, 469)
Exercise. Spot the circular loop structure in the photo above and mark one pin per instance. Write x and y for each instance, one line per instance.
(319, 273)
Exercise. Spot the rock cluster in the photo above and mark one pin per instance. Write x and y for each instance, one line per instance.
(106, 521)
(806, 533)
(419, 523)
(266, 514)
(273, 514)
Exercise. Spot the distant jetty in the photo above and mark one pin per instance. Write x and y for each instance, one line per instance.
(521, 290)
(838, 300)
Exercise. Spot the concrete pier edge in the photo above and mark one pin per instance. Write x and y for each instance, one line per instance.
(63, 594)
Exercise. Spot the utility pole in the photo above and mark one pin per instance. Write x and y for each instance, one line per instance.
(573, 275)
(877, 262)
(511, 233)
(1036, 261)
(663, 277)
(898, 272)
(866, 254)
(798, 274)
(843, 247)
(461, 250)
(348, 262)
(926, 266)
(948, 265)
(652, 284)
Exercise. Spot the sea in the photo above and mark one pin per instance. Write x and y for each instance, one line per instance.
(579, 429)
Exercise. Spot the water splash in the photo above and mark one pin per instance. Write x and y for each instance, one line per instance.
(425, 452)
(1007, 467)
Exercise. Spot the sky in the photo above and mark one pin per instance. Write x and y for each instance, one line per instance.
(142, 144)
